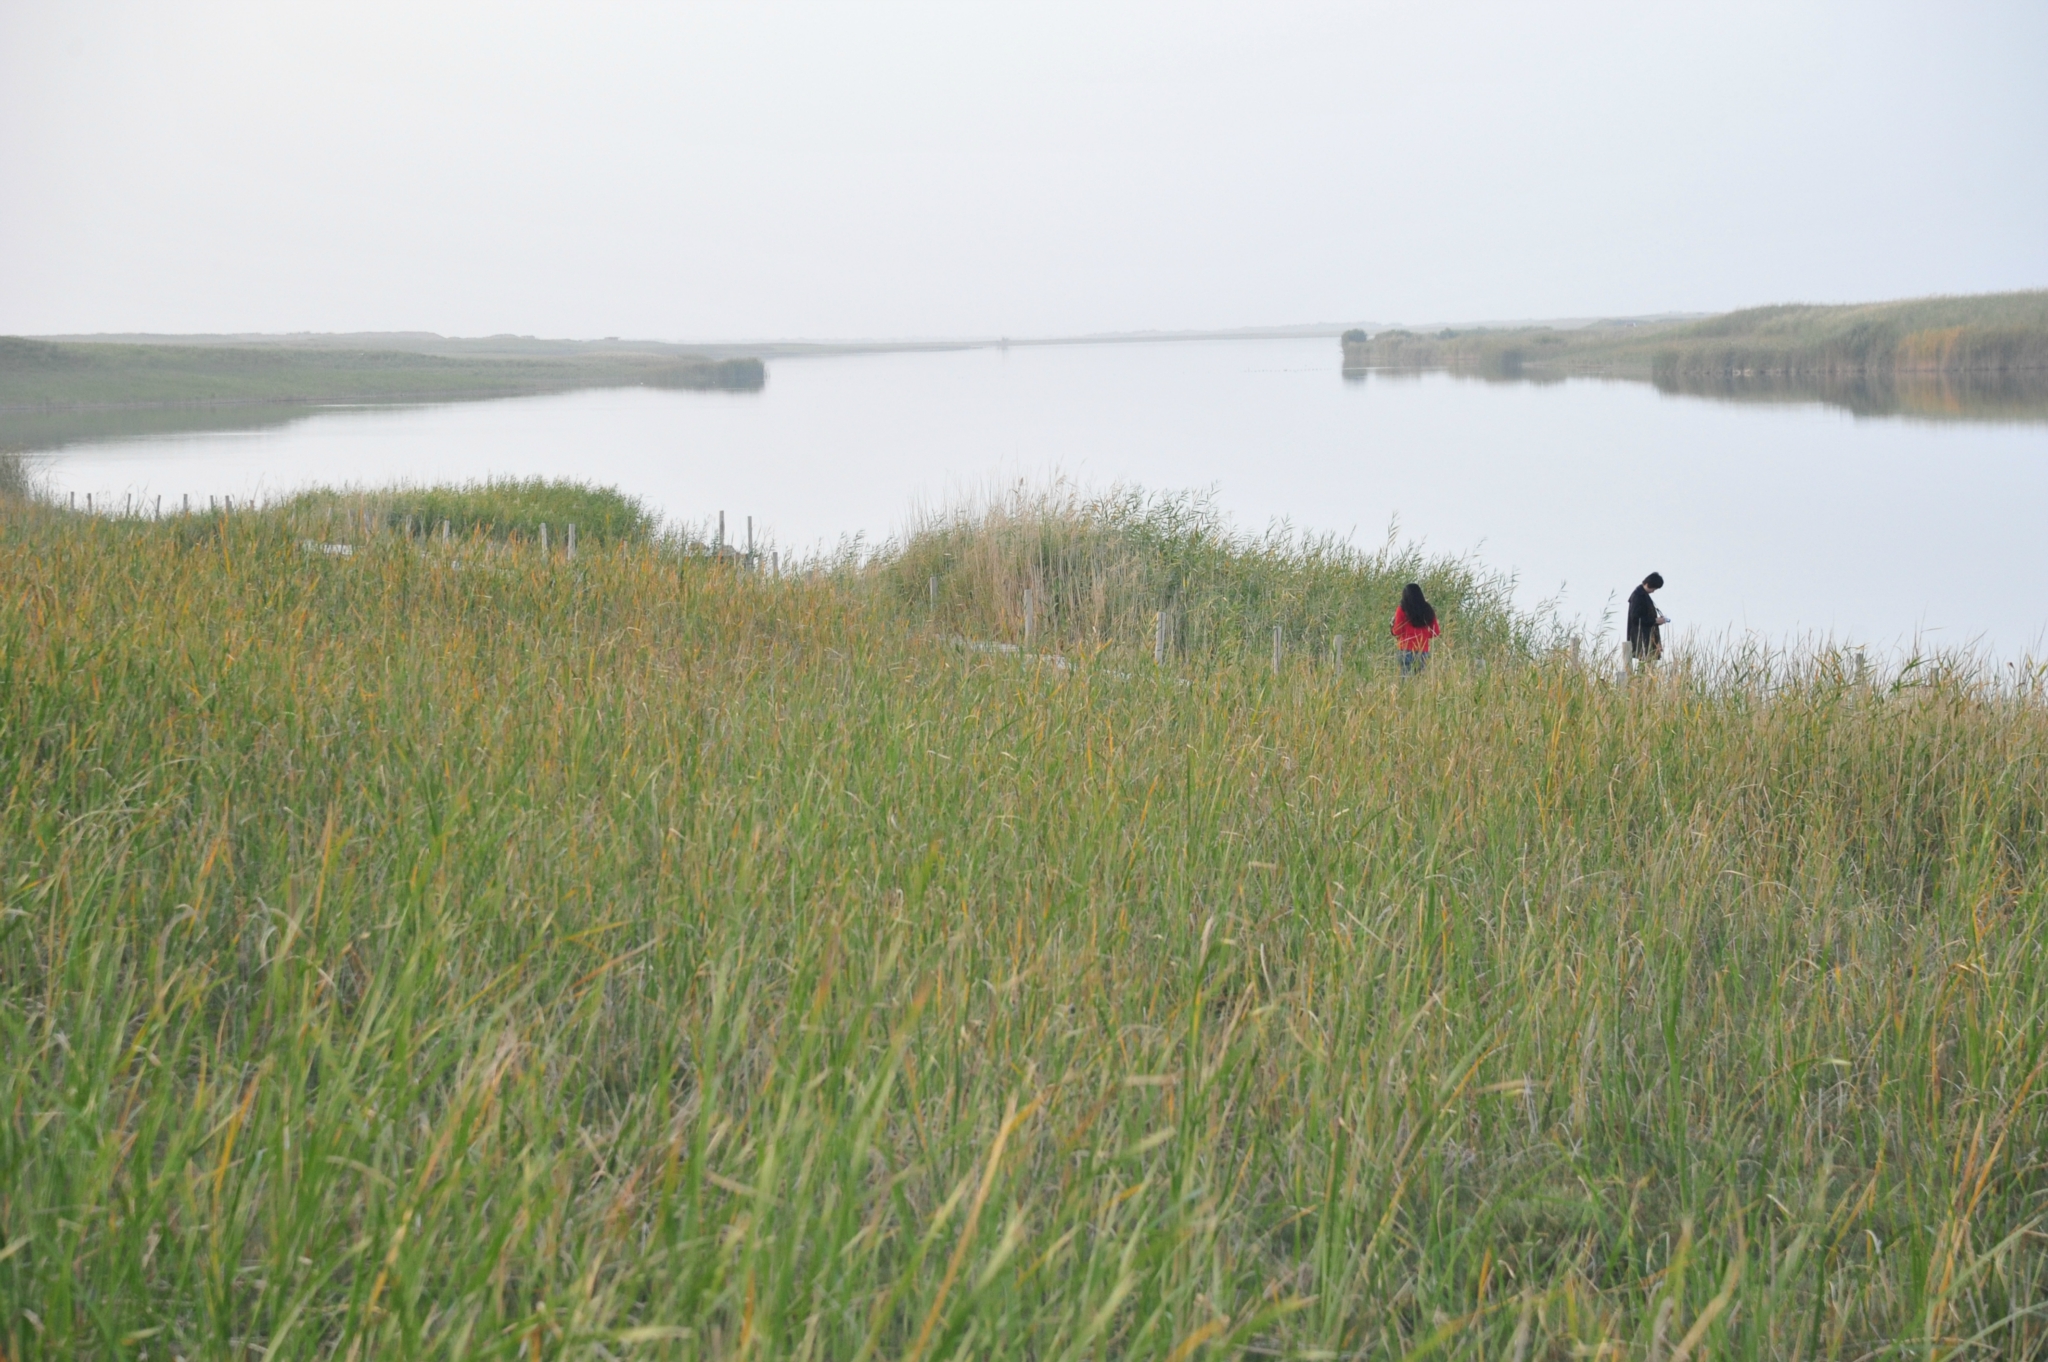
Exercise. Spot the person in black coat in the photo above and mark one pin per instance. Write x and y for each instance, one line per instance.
(1645, 642)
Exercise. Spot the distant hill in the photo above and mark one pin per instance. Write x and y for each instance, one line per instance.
(43, 374)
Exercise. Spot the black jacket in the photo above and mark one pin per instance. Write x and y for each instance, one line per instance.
(1643, 638)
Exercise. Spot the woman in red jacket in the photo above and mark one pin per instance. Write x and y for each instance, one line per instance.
(1415, 624)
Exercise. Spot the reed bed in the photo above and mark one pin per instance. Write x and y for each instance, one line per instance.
(1913, 354)
(429, 953)
(495, 509)
(1103, 572)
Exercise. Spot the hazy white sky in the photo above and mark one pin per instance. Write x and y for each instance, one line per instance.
(713, 171)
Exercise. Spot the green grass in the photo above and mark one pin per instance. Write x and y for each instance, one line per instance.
(18, 480)
(499, 509)
(467, 953)
(48, 374)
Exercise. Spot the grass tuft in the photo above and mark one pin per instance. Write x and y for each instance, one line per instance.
(498, 509)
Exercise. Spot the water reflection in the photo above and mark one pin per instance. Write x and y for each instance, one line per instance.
(1770, 512)
(31, 430)
(1934, 397)
(1992, 397)
(1987, 397)
(47, 430)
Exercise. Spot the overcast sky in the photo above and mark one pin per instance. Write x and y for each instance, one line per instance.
(715, 171)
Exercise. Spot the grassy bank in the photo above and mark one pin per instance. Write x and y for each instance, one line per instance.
(468, 953)
(1982, 340)
(45, 374)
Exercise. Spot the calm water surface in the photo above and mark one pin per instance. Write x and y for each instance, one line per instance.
(1787, 520)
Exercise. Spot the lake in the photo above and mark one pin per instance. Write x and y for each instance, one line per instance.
(1792, 520)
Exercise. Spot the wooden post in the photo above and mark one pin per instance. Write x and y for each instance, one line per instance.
(1027, 617)
(543, 539)
(444, 531)
(718, 544)
(750, 539)
(1276, 650)
(935, 598)
(188, 504)
(572, 539)
(1159, 637)
(88, 503)
(159, 508)
(1337, 650)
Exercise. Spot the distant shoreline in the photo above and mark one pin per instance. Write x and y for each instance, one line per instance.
(240, 403)
(81, 376)
(1997, 334)
(1997, 338)
(535, 347)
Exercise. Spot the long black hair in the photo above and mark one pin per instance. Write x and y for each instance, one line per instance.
(1420, 612)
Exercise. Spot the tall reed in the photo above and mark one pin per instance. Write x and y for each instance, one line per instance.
(1101, 570)
(434, 953)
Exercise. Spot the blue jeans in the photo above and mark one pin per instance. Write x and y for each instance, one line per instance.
(1413, 664)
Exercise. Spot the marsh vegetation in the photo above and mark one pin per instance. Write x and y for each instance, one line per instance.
(37, 374)
(1981, 356)
(469, 952)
